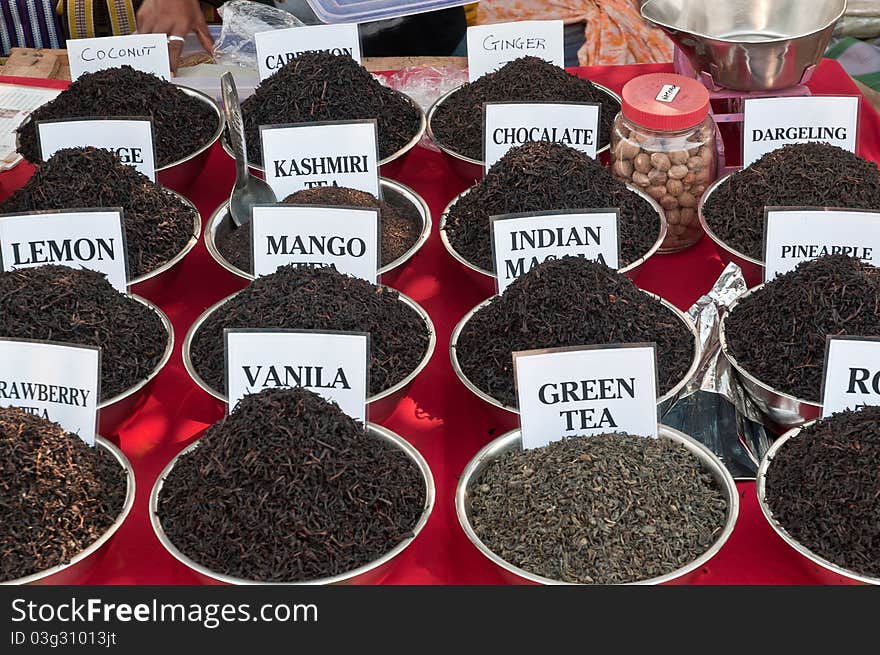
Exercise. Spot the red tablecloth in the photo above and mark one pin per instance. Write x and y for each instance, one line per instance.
(439, 417)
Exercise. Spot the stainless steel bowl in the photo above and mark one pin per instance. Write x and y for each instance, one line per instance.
(752, 269)
(749, 45)
(371, 573)
(827, 572)
(783, 410)
(85, 560)
(379, 406)
(486, 281)
(515, 575)
(473, 169)
(664, 402)
(113, 412)
(220, 224)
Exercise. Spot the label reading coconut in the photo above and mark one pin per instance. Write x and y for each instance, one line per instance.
(770, 123)
(522, 241)
(297, 157)
(143, 52)
(489, 47)
(852, 374)
(92, 239)
(334, 365)
(344, 238)
(507, 125)
(586, 390)
(277, 47)
(57, 382)
(794, 235)
(131, 140)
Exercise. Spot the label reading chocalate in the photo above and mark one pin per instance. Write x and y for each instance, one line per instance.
(770, 123)
(794, 235)
(297, 157)
(143, 52)
(522, 241)
(334, 365)
(131, 140)
(852, 374)
(56, 382)
(91, 239)
(277, 47)
(344, 238)
(489, 47)
(586, 390)
(511, 124)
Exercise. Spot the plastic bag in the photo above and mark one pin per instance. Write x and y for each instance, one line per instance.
(241, 20)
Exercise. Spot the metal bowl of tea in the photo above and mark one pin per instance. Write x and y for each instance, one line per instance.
(220, 224)
(515, 575)
(486, 281)
(826, 571)
(379, 406)
(371, 573)
(664, 402)
(783, 410)
(85, 560)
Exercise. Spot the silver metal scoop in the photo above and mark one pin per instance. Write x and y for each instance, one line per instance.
(249, 190)
(749, 45)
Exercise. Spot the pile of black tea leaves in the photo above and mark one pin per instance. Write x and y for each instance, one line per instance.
(796, 175)
(570, 301)
(320, 86)
(58, 495)
(158, 224)
(399, 221)
(822, 487)
(606, 509)
(457, 123)
(182, 124)
(288, 488)
(306, 298)
(778, 333)
(80, 307)
(541, 176)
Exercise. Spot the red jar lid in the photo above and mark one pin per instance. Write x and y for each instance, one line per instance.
(665, 101)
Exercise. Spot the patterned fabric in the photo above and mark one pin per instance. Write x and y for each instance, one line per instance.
(28, 24)
(121, 16)
(615, 32)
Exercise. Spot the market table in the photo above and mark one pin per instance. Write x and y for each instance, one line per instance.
(439, 416)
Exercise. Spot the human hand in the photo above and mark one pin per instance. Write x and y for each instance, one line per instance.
(176, 18)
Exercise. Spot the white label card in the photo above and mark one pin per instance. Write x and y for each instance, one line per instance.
(586, 391)
(522, 241)
(345, 238)
(131, 140)
(334, 365)
(277, 47)
(297, 157)
(795, 235)
(144, 52)
(489, 47)
(852, 374)
(770, 123)
(57, 382)
(92, 239)
(512, 124)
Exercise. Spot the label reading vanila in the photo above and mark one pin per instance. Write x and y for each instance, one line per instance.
(489, 47)
(277, 47)
(852, 374)
(143, 52)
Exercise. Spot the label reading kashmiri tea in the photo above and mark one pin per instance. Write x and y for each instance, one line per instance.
(489, 47)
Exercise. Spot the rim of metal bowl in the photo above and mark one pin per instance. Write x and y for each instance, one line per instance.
(169, 348)
(511, 439)
(376, 430)
(761, 491)
(221, 124)
(664, 229)
(194, 239)
(128, 503)
(406, 300)
(708, 230)
(739, 368)
(672, 393)
(479, 162)
(411, 196)
(409, 145)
